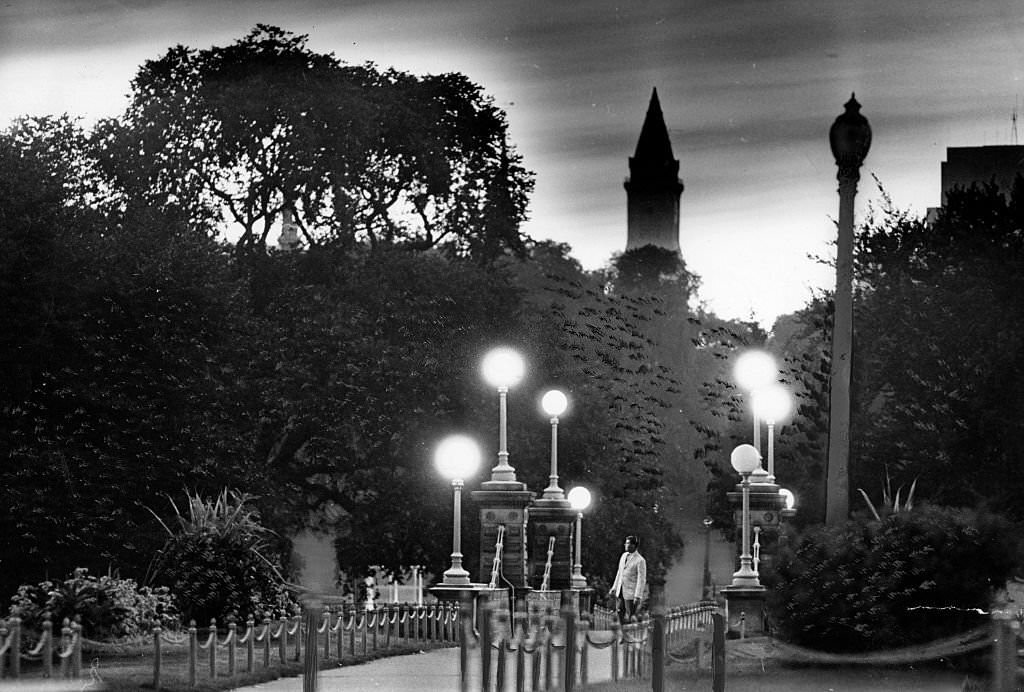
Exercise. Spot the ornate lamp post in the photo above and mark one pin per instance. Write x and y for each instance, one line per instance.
(753, 370)
(745, 460)
(503, 368)
(706, 586)
(771, 403)
(554, 404)
(579, 500)
(850, 139)
(456, 458)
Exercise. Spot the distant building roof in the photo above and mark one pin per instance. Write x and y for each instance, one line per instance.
(965, 166)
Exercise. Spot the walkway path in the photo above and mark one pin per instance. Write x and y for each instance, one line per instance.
(684, 581)
(438, 670)
(430, 671)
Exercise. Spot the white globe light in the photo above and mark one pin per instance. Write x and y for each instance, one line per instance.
(772, 402)
(502, 367)
(790, 497)
(579, 498)
(554, 403)
(457, 457)
(745, 459)
(754, 369)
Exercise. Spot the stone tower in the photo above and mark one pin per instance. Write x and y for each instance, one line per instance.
(653, 187)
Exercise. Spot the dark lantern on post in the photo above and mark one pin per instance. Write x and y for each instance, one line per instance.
(850, 139)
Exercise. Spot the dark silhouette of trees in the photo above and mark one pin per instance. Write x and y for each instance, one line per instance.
(234, 136)
(939, 349)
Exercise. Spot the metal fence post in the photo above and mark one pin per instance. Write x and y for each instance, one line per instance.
(718, 653)
(1004, 654)
(156, 658)
(658, 643)
(312, 610)
(569, 619)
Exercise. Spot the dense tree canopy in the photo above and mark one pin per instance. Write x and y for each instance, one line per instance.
(939, 348)
(237, 135)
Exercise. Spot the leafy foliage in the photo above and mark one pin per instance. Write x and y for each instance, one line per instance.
(107, 607)
(938, 347)
(219, 561)
(239, 134)
(911, 577)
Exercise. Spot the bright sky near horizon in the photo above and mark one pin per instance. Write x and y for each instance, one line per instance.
(749, 89)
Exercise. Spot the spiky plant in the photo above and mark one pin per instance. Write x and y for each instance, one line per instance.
(891, 503)
(219, 560)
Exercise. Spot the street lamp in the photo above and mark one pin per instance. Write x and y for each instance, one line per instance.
(790, 498)
(745, 459)
(771, 403)
(753, 370)
(579, 499)
(706, 590)
(554, 404)
(502, 368)
(456, 458)
(850, 138)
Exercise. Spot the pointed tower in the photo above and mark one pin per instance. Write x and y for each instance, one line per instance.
(653, 187)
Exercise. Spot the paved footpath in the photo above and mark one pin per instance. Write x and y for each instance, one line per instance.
(438, 670)
(430, 671)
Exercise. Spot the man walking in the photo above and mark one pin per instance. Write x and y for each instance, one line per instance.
(630, 581)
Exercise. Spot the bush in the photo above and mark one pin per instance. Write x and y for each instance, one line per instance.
(219, 562)
(912, 577)
(107, 607)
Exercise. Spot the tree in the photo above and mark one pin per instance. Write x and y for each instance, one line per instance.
(939, 349)
(112, 380)
(237, 135)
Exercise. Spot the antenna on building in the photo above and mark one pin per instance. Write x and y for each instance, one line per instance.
(1013, 122)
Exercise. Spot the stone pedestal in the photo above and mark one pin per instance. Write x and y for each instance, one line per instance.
(744, 611)
(551, 518)
(503, 503)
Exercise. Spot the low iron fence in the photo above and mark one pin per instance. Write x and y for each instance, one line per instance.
(555, 650)
(216, 651)
(67, 649)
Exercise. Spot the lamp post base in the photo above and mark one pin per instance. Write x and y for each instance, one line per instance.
(456, 575)
(744, 611)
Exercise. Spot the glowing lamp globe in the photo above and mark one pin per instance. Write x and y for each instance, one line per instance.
(790, 497)
(754, 369)
(579, 498)
(772, 402)
(457, 457)
(554, 403)
(503, 367)
(745, 459)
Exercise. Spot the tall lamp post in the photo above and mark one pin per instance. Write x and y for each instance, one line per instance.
(850, 138)
(771, 403)
(745, 460)
(706, 586)
(503, 368)
(579, 500)
(753, 370)
(554, 404)
(456, 458)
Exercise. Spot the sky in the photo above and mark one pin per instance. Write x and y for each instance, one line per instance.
(748, 88)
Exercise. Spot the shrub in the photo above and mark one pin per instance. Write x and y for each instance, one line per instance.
(219, 561)
(107, 607)
(912, 577)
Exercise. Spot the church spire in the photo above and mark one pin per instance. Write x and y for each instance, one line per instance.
(653, 187)
(653, 154)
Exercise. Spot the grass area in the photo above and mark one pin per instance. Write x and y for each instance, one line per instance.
(132, 669)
